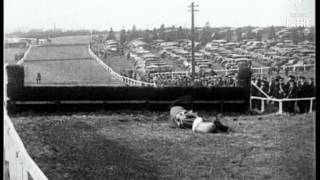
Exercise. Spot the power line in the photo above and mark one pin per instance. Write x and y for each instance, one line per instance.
(192, 39)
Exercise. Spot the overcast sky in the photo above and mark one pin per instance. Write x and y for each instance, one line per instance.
(103, 14)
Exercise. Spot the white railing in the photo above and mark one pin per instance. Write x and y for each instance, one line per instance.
(125, 80)
(24, 55)
(280, 101)
(172, 73)
(304, 66)
(21, 166)
(18, 164)
(255, 70)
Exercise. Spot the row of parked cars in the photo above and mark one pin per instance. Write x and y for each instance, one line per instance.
(144, 60)
(268, 53)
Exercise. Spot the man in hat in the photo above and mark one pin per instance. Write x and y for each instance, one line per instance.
(281, 88)
(290, 78)
(264, 88)
(312, 90)
(271, 86)
(291, 92)
(302, 93)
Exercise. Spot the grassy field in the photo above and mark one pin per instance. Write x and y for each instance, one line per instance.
(70, 64)
(140, 145)
(58, 52)
(118, 63)
(9, 54)
(71, 39)
(67, 72)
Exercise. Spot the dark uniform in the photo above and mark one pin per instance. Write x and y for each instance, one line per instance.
(38, 79)
(281, 90)
(291, 92)
(302, 93)
(312, 91)
(274, 88)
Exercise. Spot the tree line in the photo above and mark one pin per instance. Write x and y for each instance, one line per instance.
(172, 33)
(206, 34)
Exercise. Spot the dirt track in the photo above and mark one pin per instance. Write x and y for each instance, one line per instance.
(135, 146)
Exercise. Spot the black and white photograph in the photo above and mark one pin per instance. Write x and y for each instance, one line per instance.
(159, 90)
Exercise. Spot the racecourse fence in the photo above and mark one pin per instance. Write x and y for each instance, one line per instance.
(61, 59)
(255, 70)
(267, 98)
(123, 79)
(18, 165)
(25, 55)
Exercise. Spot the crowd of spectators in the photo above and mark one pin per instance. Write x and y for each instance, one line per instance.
(185, 80)
(294, 87)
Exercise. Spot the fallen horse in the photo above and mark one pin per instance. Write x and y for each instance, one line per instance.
(187, 119)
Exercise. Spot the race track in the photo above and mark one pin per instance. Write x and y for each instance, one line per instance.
(65, 65)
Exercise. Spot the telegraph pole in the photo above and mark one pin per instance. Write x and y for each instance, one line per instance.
(192, 39)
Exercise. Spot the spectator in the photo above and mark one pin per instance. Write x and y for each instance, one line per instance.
(291, 92)
(281, 89)
(311, 88)
(302, 93)
(290, 78)
(264, 88)
(38, 79)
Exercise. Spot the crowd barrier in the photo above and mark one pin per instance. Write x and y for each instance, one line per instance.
(255, 70)
(280, 101)
(18, 164)
(125, 80)
(25, 55)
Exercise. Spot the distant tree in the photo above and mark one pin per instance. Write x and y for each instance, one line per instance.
(229, 35)
(295, 36)
(272, 33)
(133, 34)
(205, 34)
(162, 32)
(238, 32)
(311, 35)
(259, 35)
(180, 33)
(111, 34)
(154, 34)
(123, 36)
(146, 34)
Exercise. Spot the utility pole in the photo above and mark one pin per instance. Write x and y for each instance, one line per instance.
(192, 39)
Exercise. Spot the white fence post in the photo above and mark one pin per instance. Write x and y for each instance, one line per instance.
(262, 105)
(311, 104)
(280, 107)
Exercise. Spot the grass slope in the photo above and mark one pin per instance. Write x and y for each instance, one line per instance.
(140, 145)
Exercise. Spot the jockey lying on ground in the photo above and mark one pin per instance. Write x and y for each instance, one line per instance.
(181, 118)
